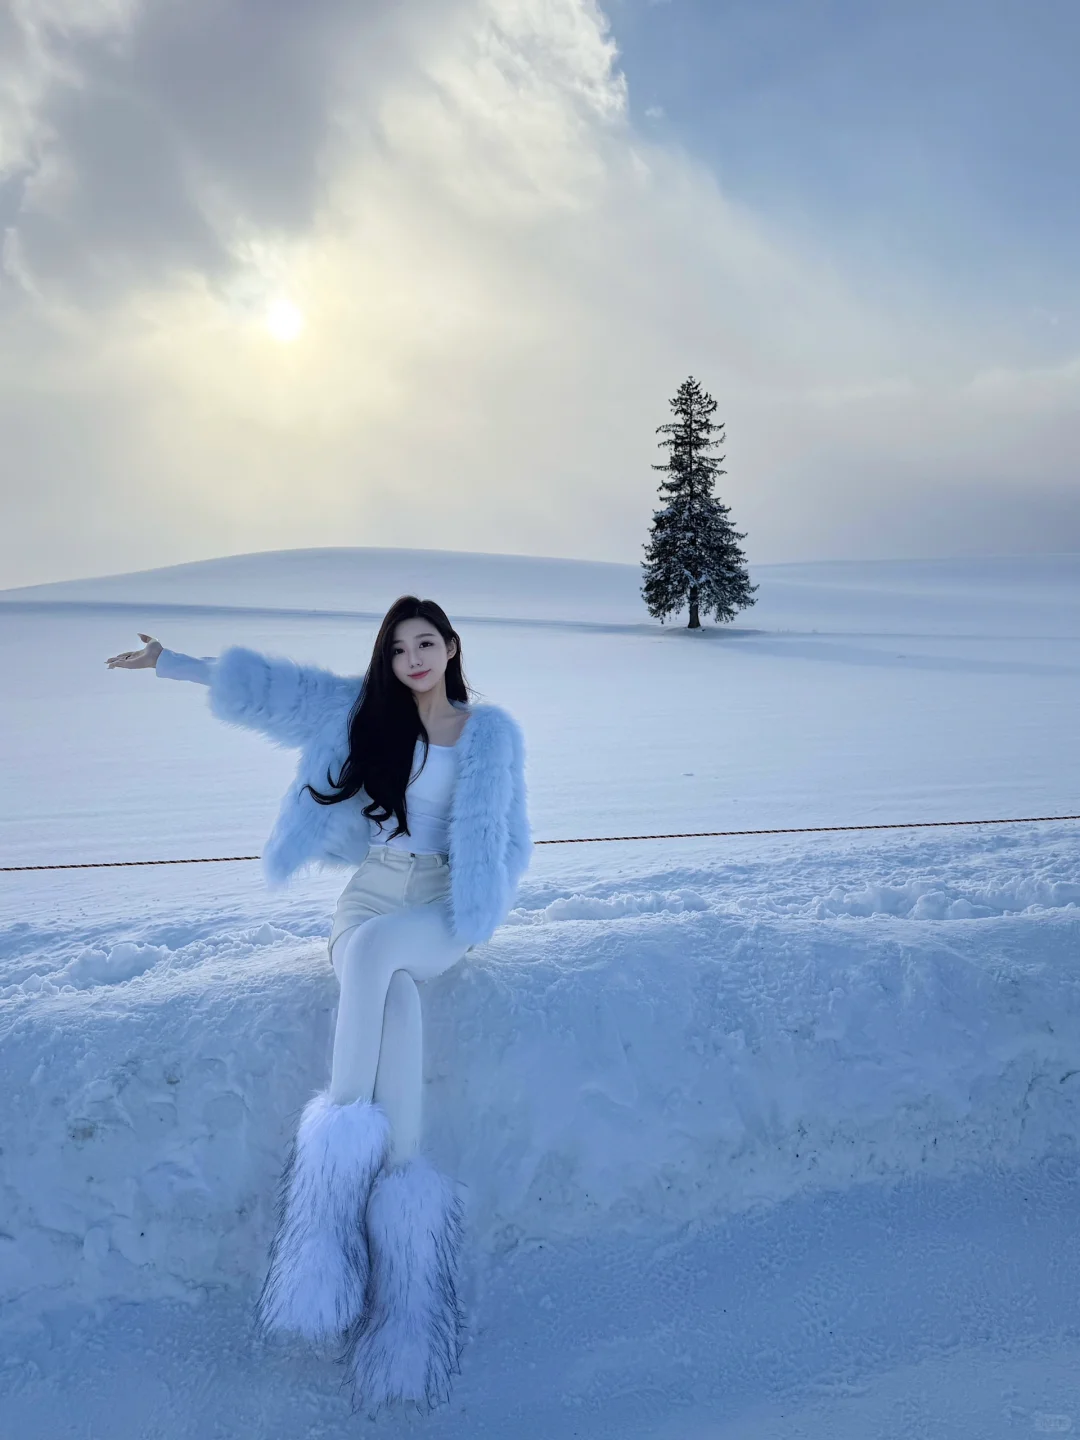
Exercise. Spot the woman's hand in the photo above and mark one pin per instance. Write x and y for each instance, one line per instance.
(144, 659)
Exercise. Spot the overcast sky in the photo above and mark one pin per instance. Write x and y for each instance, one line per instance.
(426, 273)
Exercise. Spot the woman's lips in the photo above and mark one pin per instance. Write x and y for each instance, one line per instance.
(419, 674)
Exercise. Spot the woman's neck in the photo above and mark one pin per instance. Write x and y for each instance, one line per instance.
(434, 706)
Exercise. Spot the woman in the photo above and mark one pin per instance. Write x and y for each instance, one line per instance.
(366, 1246)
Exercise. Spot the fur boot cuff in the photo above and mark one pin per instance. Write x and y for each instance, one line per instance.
(407, 1344)
(318, 1270)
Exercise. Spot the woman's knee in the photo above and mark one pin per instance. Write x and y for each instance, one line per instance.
(416, 939)
(367, 954)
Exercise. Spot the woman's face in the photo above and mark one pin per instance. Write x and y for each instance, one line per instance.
(418, 655)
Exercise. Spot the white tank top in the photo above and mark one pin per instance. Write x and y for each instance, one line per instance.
(427, 804)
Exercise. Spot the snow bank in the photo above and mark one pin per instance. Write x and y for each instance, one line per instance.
(615, 1060)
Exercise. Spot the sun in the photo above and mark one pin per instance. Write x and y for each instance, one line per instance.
(284, 320)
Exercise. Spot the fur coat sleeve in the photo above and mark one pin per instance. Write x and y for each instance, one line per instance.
(519, 841)
(287, 702)
(490, 838)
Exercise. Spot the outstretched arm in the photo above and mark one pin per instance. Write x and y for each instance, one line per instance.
(169, 664)
(283, 700)
(172, 665)
(279, 698)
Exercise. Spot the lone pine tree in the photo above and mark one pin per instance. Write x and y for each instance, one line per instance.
(692, 556)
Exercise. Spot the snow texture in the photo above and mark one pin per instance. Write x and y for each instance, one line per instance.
(756, 1137)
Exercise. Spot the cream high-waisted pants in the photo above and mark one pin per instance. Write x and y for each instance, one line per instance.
(390, 930)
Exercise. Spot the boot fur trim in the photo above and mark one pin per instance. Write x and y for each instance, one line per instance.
(407, 1344)
(318, 1268)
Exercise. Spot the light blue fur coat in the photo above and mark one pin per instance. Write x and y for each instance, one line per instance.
(307, 708)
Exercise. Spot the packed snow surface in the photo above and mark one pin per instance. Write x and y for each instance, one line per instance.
(768, 1136)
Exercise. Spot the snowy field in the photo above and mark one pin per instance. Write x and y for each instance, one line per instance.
(771, 1137)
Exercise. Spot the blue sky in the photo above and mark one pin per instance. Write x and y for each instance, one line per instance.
(931, 143)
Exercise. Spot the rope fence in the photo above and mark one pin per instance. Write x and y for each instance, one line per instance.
(584, 840)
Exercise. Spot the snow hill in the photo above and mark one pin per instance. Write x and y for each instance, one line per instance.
(770, 1136)
(1010, 596)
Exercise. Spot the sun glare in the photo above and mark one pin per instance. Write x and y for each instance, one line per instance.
(283, 320)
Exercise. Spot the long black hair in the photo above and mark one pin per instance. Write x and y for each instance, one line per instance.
(385, 724)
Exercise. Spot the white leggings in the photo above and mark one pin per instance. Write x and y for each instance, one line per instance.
(383, 943)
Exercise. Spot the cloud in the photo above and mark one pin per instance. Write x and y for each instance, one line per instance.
(152, 136)
(501, 280)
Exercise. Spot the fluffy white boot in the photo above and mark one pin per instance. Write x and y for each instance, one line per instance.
(407, 1343)
(318, 1270)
